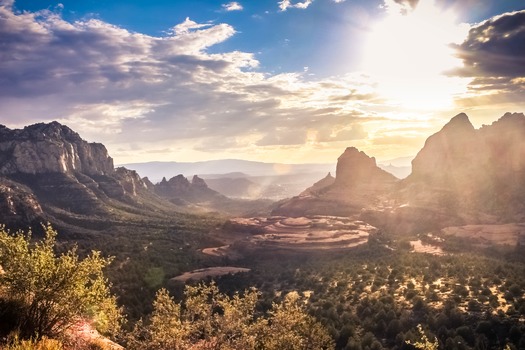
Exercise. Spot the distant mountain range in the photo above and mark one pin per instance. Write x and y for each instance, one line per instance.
(155, 171)
(462, 175)
(250, 179)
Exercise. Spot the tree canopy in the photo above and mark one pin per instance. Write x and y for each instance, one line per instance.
(208, 319)
(43, 293)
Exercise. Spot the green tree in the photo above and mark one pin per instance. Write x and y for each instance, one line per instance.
(208, 319)
(289, 327)
(424, 343)
(45, 293)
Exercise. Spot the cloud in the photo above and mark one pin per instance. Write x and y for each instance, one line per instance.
(493, 54)
(232, 6)
(139, 94)
(495, 47)
(286, 4)
(407, 4)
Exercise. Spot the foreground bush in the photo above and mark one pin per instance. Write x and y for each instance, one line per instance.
(209, 319)
(42, 293)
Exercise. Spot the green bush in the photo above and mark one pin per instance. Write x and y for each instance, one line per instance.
(209, 319)
(45, 293)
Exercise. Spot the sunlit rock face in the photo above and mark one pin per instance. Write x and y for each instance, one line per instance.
(465, 170)
(50, 148)
(49, 167)
(130, 181)
(359, 183)
(504, 142)
(449, 153)
(355, 168)
(18, 204)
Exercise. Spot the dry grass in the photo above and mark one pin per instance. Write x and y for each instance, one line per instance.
(484, 235)
(201, 274)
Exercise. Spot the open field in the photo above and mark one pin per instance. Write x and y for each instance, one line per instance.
(303, 233)
(485, 235)
(201, 274)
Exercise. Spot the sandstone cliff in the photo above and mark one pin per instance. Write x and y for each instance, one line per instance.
(359, 183)
(355, 168)
(18, 205)
(180, 190)
(48, 170)
(50, 148)
(478, 173)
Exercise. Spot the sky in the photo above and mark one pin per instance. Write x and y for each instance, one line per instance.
(266, 80)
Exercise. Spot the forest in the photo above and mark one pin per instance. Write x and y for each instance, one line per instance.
(380, 295)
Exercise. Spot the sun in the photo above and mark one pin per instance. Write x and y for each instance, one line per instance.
(408, 53)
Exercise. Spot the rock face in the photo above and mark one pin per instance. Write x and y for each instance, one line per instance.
(48, 168)
(319, 186)
(461, 175)
(130, 181)
(449, 152)
(464, 170)
(50, 148)
(18, 204)
(180, 190)
(355, 168)
(359, 183)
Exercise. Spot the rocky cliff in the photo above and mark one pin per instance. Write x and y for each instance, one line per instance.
(355, 168)
(50, 148)
(180, 190)
(48, 171)
(18, 205)
(449, 153)
(358, 183)
(473, 172)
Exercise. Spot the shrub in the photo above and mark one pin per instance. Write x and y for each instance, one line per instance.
(209, 319)
(44, 293)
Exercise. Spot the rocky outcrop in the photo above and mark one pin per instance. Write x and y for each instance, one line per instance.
(197, 182)
(130, 181)
(18, 205)
(177, 186)
(472, 172)
(50, 169)
(359, 183)
(453, 152)
(319, 186)
(355, 168)
(50, 148)
(180, 190)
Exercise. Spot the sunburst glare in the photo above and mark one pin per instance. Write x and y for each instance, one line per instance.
(408, 53)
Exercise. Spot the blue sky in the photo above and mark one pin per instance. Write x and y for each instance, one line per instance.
(323, 37)
(264, 80)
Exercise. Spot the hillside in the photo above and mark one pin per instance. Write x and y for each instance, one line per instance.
(371, 255)
(359, 183)
(49, 173)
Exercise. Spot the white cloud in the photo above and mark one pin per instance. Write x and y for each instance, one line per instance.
(138, 93)
(286, 4)
(232, 6)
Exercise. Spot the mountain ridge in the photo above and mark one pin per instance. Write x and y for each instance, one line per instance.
(461, 174)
